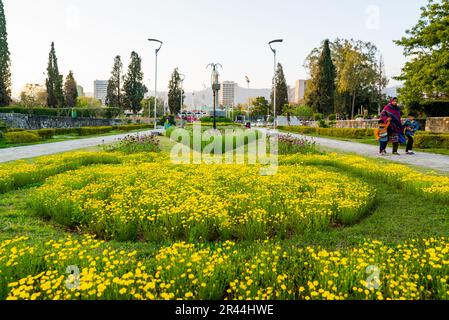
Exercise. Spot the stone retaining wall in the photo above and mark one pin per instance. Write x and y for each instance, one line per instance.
(34, 122)
(439, 125)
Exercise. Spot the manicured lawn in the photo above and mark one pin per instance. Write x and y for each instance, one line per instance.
(67, 137)
(373, 141)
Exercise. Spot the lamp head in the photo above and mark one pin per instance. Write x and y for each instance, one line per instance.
(158, 41)
(273, 42)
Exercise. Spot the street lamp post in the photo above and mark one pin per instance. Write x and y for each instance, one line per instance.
(182, 78)
(215, 87)
(155, 80)
(249, 102)
(274, 81)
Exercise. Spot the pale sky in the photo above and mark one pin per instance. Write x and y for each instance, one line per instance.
(89, 33)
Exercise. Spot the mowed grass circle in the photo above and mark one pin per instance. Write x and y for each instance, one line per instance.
(161, 201)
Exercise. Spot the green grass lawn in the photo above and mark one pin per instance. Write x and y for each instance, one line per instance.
(374, 142)
(67, 137)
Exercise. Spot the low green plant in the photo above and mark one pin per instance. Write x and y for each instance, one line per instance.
(21, 137)
(135, 144)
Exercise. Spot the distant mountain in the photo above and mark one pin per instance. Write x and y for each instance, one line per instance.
(205, 97)
(392, 91)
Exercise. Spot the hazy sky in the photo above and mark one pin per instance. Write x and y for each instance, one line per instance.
(89, 33)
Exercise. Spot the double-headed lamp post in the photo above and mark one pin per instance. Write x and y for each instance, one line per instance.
(215, 87)
(274, 81)
(155, 80)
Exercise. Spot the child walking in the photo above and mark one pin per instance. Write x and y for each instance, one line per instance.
(411, 127)
(382, 136)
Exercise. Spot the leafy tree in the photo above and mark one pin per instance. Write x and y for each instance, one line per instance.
(133, 84)
(33, 95)
(288, 111)
(88, 102)
(55, 94)
(114, 96)
(148, 107)
(281, 90)
(175, 92)
(304, 112)
(322, 98)
(426, 45)
(70, 90)
(260, 107)
(5, 62)
(357, 75)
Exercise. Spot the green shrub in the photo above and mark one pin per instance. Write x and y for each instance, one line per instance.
(87, 131)
(46, 133)
(21, 137)
(64, 131)
(15, 130)
(318, 116)
(432, 141)
(65, 112)
(218, 119)
(332, 132)
(332, 117)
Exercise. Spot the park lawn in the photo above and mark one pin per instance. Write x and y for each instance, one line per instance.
(67, 137)
(374, 142)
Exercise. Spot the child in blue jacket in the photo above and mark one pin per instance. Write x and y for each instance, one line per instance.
(411, 126)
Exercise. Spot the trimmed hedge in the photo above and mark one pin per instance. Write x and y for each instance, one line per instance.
(432, 141)
(87, 131)
(108, 113)
(332, 132)
(21, 137)
(45, 133)
(218, 119)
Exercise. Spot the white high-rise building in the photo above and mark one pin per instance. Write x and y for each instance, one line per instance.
(101, 90)
(300, 90)
(227, 94)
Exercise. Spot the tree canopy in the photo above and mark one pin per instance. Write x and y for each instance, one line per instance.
(175, 93)
(70, 90)
(5, 62)
(426, 74)
(358, 76)
(114, 97)
(54, 82)
(281, 90)
(133, 84)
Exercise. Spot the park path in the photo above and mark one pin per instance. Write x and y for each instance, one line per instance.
(421, 159)
(26, 152)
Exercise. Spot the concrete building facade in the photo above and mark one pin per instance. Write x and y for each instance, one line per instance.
(101, 90)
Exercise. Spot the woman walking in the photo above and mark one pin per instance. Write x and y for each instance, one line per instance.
(392, 113)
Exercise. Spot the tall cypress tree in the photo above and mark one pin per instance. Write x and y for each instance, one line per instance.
(70, 90)
(5, 62)
(325, 81)
(175, 93)
(133, 84)
(114, 96)
(281, 90)
(54, 82)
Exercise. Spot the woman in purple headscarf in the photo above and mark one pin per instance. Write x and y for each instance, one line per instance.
(392, 112)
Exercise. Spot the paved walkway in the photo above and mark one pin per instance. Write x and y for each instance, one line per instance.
(37, 150)
(422, 159)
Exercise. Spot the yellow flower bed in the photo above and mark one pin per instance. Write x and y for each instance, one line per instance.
(22, 173)
(158, 201)
(430, 185)
(264, 271)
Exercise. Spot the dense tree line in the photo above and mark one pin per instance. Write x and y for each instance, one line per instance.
(345, 76)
